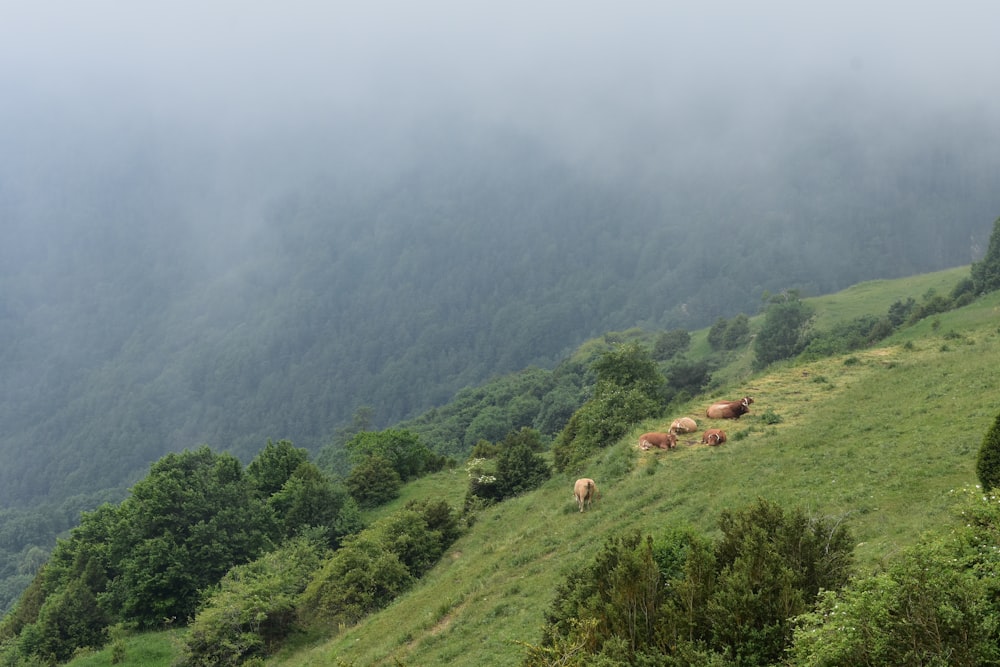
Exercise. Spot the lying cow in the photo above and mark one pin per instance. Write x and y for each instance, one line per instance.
(713, 436)
(584, 491)
(684, 425)
(729, 409)
(658, 440)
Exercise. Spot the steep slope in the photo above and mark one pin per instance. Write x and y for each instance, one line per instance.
(877, 438)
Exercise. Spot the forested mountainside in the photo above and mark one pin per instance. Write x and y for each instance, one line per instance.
(171, 291)
(456, 568)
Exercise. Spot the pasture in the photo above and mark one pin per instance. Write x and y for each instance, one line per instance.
(877, 439)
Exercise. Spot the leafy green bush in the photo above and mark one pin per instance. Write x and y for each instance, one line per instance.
(513, 467)
(310, 500)
(253, 608)
(403, 449)
(374, 481)
(985, 273)
(192, 518)
(671, 343)
(379, 563)
(629, 389)
(988, 459)
(934, 604)
(601, 421)
(782, 334)
(842, 338)
(682, 599)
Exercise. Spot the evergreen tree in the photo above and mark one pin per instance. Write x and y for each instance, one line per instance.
(988, 460)
(986, 272)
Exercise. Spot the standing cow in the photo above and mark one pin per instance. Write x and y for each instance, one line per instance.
(713, 436)
(584, 491)
(684, 425)
(658, 440)
(729, 409)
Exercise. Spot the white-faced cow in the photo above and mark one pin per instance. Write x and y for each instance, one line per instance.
(729, 409)
(658, 440)
(684, 425)
(584, 491)
(713, 436)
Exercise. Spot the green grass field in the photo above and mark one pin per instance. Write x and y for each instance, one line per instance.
(877, 438)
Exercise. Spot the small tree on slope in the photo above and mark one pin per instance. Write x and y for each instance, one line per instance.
(986, 272)
(988, 461)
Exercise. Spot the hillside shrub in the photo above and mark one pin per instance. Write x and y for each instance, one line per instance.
(729, 334)
(192, 518)
(783, 332)
(601, 421)
(146, 562)
(510, 468)
(689, 377)
(920, 611)
(403, 449)
(842, 338)
(899, 311)
(683, 599)
(377, 564)
(936, 603)
(274, 465)
(374, 481)
(671, 343)
(629, 389)
(985, 273)
(309, 500)
(988, 458)
(253, 608)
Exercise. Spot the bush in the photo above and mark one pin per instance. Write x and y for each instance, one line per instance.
(782, 334)
(253, 609)
(924, 609)
(682, 599)
(601, 421)
(985, 274)
(373, 481)
(671, 343)
(988, 459)
(379, 563)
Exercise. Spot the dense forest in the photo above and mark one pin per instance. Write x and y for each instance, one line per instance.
(180, 292)
(133, 326)
(251, 559)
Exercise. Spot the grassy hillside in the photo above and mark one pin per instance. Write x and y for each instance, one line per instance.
(877, 438)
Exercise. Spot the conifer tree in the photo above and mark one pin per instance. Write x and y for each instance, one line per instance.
(988, 461)
(986, 272)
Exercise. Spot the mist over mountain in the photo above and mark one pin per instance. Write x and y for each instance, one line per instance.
(226, 224)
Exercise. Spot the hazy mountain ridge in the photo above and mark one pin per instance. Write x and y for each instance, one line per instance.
(137, 321)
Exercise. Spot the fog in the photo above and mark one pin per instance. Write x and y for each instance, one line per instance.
(153, 153)
(588, 67)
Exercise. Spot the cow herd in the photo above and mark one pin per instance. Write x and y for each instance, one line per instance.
(712, 436)
(585, 489)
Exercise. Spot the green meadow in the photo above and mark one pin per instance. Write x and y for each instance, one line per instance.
(877, 439)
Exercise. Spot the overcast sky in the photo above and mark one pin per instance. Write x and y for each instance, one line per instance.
(264, 61)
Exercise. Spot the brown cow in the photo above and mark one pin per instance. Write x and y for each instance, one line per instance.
(729, 409)
(658, 440)
(713, 436)
(684, 425)
(584, 491)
